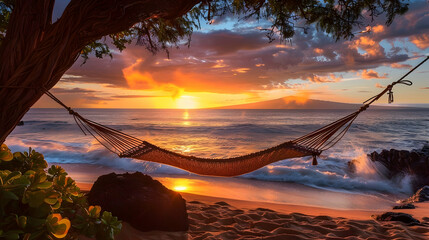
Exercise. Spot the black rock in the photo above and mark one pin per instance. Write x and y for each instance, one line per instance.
(421, 195)
(141, 201)
(400, 217)
(400, 162)
(405, 206)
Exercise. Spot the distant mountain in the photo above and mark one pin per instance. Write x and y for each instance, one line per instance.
(295, 103)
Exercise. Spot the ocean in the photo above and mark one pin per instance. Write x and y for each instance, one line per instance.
(227, 133)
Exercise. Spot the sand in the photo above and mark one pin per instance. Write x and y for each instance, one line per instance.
(221, 218)
(271, 211)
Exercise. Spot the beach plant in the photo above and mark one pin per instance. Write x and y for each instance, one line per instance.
(41, 203)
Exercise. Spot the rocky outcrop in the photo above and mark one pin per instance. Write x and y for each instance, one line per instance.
(405, 206)
(394, 216)
(402, 162)
(421, 195)
(141, 201)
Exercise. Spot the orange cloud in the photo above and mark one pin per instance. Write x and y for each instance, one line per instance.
(318, 50)
(144, 80)
(378, 85)
(219, 64)
(421, 41)
(398, 65)
(378, 29)
(371, 74)
(321, 79)
(367, 44)
(241, 70)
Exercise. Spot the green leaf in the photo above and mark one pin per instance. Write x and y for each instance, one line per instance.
(51, 201)
(40, 212)
(35, 199)
(57, 225)
(35, 223)
(9, 195)
(22, 221)
(6, 156)
(57, 205)
(5, 153)
(12, 176)
(94, 211)
(43, 185)
(30, 172)
(12, 234)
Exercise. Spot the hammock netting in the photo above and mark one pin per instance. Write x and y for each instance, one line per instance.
(311, 144)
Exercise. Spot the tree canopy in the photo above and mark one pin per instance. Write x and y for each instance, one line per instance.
(337, 18)
(36, 51)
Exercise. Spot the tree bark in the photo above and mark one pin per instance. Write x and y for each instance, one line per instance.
(36, 53)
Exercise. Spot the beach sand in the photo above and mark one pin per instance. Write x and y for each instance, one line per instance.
(220, 218)
(214, 218)
(225, 218)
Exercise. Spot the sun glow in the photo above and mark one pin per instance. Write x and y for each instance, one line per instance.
(186, 102)
(178, 184)
(180, 188)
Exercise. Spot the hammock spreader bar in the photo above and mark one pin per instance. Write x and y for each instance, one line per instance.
(311, 144)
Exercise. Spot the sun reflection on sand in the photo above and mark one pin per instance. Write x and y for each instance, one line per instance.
(180, 184)
(291, 193)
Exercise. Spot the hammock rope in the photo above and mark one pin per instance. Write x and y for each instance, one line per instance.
(311, 144)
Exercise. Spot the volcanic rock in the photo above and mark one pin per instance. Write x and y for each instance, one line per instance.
(401, 162)
(393, 216)
(421, 195)
(141, 201)
(405, 206)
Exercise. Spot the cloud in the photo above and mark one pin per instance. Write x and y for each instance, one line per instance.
(242, 59)
(58, 90)
(322, 79)
(425, 88)
(421, 41)
(399, 65)
(80, 97)
(137, 79)
(378, 85)
(136, 96)
(371, 74)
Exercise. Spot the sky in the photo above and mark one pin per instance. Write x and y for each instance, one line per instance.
(231, 61)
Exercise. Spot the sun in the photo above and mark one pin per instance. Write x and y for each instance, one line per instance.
(180, 188)
(186, 102)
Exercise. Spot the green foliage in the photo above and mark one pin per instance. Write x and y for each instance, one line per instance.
(39, 204)
(336, 17)
(6, 7)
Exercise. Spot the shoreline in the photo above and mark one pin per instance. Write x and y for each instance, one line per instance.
(421, 211)
(249, 189)
(212, 217)
(220, 218)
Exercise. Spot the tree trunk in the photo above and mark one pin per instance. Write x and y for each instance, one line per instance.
(36, 53)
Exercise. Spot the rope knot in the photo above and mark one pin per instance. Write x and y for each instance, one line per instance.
(390, 94)
(71, 112)
(364, 107)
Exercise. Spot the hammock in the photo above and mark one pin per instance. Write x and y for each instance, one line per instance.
(312, 144)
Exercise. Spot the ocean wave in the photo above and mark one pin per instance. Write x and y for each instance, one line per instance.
(220, 134)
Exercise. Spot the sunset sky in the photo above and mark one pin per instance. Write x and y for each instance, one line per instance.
(231, 62)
